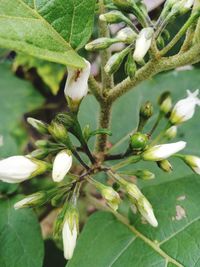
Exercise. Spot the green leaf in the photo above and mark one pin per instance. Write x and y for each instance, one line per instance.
(16, 98)
(175, 242)
(45, 29)
(20, 238)
(51, 73)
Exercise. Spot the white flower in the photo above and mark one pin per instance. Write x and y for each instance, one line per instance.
(69, 235)
(77, 82)
(146, 211)
(17, 169)
(188, 3)
(160, 152)
(193, 162)
(185, 108)
(143, 43)
(61, 165)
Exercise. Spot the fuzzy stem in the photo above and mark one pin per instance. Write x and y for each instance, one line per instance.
(104, 122)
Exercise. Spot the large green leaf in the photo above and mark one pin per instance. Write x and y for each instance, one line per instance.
(46, 29)
(107, 242)
(16, 98)
(125, 116)
(21, 243)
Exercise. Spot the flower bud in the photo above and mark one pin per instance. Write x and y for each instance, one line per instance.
(161, 152)
(146, 211)
(144, 174)
(39, 153)
(59, 133)
(146, 111)
(171, 132)
(193, 162)
(40, 126)
(33, 200)
(115, 16)
(126, 5)
(185, 108)
(115, 61)
(17, 169)
(69, 232)
(126, 35)
(61, 165)
(77, 85)
(181, 7)
(165, 102)
(100, 44)
(165, 165)
(143, 44)
(138, 141)
(130, 66)
(143, 205)
(111, 196)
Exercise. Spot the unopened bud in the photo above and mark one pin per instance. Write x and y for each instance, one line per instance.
(40, 126)
(31, 201)
(130, 66)
(111, 196)
(144, 174)
(115, 16)
(171, 132)
(165, 165)
(126, 5)
(39, 153)
(59, 133)
(61, 165)
(138, 141)
(115, 61)
(192, 161)
(165, 102)
(126, 35)
(100, 44)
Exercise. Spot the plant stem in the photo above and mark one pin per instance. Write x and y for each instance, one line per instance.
(104, 122)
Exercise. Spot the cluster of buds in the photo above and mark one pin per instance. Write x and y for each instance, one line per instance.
(137, 43)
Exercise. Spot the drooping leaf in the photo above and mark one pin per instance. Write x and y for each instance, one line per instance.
(46, 29)
(20, 237)
(175, 242)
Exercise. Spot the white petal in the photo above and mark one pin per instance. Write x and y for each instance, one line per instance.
(16, 169)
(69, 240)
(77, 82)
(160, 152)
(61, 166)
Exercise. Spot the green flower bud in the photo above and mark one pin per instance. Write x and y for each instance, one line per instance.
(115, 16)
(171, 132)
(40, 126)
(115, 61)
(165, 165)
(130, 66)
(100, 44)
(165, 102)
(146, 110)
(192, 161)
(138, 141)
(33, 200)
(126, 35)
(59, 133)
(39, 153)
(126, 5)
(144, 174)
